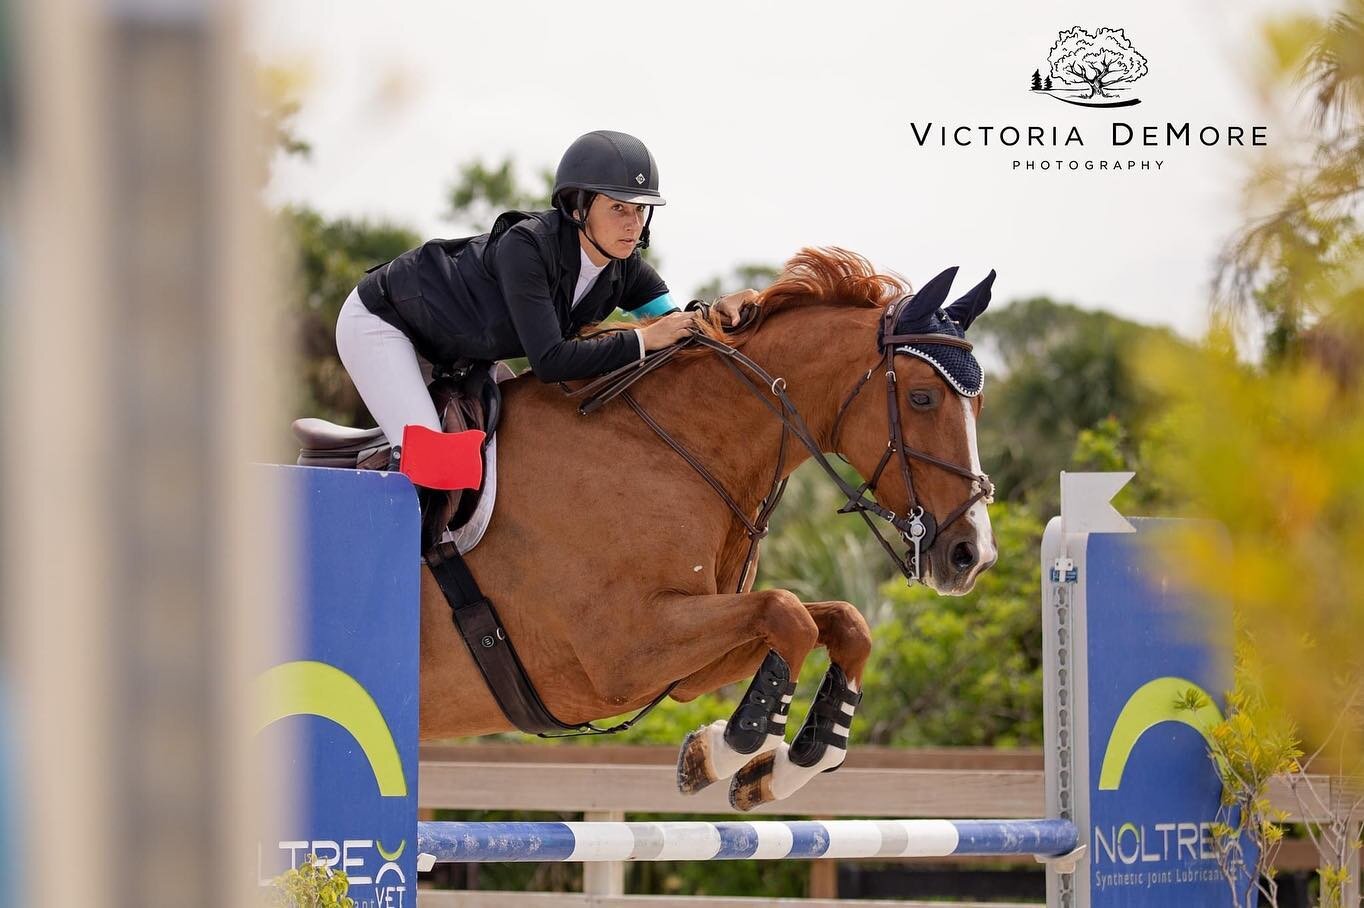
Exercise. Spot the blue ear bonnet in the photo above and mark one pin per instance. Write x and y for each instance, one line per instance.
(959, 367)
(922, 313)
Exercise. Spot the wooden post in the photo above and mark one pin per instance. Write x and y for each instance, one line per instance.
(139, 384)
(1350, 892)
(823, 879)
(605, 877)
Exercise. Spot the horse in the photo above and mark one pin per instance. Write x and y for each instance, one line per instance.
(621, 575)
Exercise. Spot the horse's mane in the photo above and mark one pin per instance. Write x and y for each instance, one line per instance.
(827, 276)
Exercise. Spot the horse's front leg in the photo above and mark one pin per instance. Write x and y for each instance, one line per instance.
(821, 744)
(751, 742)
(690, 634)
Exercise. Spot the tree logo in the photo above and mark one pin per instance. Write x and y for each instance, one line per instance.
(1091, 68)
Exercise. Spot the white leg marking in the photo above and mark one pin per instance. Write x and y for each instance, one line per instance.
(725, 761)
(788, 778)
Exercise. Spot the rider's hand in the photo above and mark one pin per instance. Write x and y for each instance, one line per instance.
(668, 330)
(731, 304)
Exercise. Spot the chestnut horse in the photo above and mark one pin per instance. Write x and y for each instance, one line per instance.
(614, 565)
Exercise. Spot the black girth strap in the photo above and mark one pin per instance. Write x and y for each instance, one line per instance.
(493, 653)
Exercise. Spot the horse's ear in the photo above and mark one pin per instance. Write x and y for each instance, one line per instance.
(972, 302)
(928, 300)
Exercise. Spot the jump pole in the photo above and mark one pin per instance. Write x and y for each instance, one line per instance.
(738, 841)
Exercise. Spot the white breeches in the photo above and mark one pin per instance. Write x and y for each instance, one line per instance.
(383, 364)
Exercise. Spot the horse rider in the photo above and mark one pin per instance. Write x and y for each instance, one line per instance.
(525, 288)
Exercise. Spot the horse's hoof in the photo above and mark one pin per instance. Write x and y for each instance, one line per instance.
(693, 763)
(752, 785)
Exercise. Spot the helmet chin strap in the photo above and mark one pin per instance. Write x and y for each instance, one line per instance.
(582, 227)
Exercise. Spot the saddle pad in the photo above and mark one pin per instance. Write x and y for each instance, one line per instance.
(469, 535)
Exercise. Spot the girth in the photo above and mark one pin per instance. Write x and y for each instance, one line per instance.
(503, 672)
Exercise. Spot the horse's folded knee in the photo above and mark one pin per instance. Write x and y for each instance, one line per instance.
(850, 635)
(845, 633)
(790, 628)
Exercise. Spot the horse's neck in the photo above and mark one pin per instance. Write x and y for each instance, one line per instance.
(720, 418)
(821, 352)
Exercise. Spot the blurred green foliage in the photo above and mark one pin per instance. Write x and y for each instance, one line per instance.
(1271, 445)
(330, 257)
(1064, 371)
(1283, 270)
(484, 191)
(755, 275)
(312, 884)
(963, 670)
(1266, 435)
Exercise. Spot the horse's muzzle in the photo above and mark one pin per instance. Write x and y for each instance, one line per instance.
(952, 566)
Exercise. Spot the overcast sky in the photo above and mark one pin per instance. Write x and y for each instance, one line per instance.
(780, 125)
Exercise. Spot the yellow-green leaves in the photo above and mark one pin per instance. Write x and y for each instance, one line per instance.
(312, 884)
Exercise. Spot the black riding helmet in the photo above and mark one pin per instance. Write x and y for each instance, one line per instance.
(613, 164)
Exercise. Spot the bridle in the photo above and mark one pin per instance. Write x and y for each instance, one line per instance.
(917, 527)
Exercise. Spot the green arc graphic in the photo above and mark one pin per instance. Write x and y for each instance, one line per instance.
(1151, 704)
(307, 688)
(384, 853)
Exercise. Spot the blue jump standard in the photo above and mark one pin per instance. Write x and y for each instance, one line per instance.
(734, 841)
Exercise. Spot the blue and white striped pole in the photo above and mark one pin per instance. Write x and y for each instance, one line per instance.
(734, 841)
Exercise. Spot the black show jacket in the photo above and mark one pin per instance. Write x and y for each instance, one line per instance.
(509, 293)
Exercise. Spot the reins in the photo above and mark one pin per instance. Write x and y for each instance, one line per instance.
(917, 532)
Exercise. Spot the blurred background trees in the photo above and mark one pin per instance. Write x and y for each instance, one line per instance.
(482, 192)
(1266, 418)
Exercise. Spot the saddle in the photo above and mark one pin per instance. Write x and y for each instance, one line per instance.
(466, 397)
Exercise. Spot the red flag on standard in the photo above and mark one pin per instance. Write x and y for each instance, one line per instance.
(442, 460)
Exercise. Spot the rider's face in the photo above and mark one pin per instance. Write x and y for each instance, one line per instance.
(616, 226)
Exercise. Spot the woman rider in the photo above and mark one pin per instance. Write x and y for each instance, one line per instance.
(525, 288)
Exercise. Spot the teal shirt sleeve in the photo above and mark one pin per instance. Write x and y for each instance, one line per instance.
(659, 305)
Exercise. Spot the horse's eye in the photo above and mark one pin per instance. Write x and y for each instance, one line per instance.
(920, 400)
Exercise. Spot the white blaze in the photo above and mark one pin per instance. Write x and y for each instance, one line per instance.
(978, 515)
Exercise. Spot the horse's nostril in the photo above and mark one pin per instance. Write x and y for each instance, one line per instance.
(963, 555)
